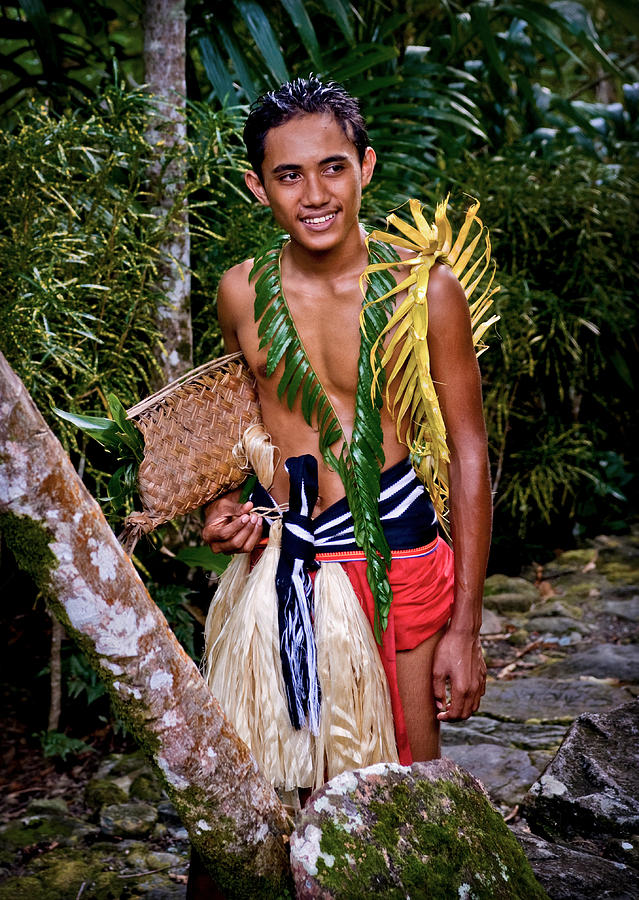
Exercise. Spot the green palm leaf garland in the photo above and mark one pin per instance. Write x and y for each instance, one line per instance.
(277, 329)
(358, 464)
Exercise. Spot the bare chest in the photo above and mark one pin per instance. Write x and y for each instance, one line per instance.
(327, 328)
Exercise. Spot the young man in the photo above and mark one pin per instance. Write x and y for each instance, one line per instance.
(310, 159)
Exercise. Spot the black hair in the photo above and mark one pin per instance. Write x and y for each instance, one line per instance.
(297, 97)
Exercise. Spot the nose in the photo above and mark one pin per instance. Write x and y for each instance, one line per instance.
(316, 193)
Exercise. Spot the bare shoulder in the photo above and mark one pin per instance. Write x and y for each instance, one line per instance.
(235, 297)
(235, 285)
(447, 304)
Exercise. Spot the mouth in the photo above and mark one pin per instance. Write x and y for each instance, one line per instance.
(319, 221)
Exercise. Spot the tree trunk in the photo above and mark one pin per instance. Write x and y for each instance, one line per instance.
(60, 536)
(164, 65)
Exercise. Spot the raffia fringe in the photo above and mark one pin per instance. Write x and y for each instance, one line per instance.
(244, 673)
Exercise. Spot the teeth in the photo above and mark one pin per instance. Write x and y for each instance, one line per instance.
(319, 219)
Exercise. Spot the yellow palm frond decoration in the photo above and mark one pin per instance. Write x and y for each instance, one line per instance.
(415, 406)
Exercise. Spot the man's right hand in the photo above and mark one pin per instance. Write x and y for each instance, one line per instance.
(229, 526)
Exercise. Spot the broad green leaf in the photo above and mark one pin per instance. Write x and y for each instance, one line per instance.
(239, 64)
(103, 430)
(479, 16)
(204, 558)
(342, 15)
(216, 70)
(300, 18)
(265, 40)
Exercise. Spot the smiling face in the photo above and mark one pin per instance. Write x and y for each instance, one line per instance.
(313, 180)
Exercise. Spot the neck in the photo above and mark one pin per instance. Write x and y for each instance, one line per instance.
(350, 254)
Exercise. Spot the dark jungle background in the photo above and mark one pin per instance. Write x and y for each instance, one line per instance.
(530, 106)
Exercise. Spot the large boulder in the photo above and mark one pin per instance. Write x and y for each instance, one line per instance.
(591, 786)
(394, 831)
(569, 874)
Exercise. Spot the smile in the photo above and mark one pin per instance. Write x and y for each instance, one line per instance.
(318, 220)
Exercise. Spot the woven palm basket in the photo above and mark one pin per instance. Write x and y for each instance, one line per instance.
(190, 428)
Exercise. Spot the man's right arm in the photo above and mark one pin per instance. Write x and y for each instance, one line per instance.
(229, 526)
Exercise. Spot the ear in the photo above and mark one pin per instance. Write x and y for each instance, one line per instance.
(368, 165)
(256, 187)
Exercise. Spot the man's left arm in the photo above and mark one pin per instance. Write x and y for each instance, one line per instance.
(458, 659)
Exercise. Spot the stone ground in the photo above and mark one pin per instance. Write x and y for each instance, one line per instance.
(561, 641)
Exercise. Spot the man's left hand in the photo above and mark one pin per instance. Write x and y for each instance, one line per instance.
(458, 662)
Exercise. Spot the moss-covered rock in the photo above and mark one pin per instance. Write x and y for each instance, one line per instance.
(56, 806)
(146, 787)
(427, 831)
(24, 887)
(35, 829)
(621, 571)
(101, 792)
(128, 819)
(577, 558)
(509, 595)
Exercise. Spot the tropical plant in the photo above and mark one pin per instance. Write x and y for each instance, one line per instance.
(65, 52)
(559, 382)
(79, 244)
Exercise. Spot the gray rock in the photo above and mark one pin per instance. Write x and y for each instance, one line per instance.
(557, 625)
(491, 623)
(394, 831)
(570, 875)
(541, 699)
(525, 736)
(623, 609)
(505, 772)
(592, 784)
(128, 819)
(601, 661)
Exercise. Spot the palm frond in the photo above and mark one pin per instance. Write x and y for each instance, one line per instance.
(415, 402)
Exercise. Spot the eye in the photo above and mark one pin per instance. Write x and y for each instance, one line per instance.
(289, 177)
(335, 169)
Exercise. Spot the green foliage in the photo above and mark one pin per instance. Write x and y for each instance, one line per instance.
(65, 52)
(58, 744)
(81, 680)
(360, 467)
(79, 252)
(173, 601)
(559, 382)
(79, 249)
(202, 557)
